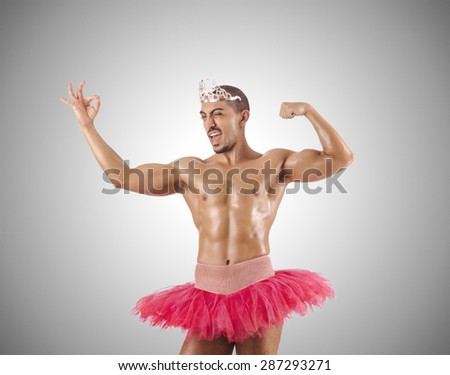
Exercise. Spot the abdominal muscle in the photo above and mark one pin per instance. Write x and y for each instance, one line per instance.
(229, 250)
(232, 229)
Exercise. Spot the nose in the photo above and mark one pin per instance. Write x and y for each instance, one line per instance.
(209, 123)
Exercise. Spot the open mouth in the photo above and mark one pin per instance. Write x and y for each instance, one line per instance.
(214, 136)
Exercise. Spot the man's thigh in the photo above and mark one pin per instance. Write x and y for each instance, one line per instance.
(221, 346)
(266, 344)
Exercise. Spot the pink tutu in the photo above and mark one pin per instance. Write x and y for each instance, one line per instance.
(238, 315)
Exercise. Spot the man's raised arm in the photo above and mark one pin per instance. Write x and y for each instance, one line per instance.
(310, 165)
(152, 179)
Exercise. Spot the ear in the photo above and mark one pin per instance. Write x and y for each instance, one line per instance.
(245, 115)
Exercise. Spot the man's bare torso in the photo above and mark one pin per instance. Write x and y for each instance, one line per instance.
(233, 206)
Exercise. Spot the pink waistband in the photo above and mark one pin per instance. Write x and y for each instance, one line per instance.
(231, 278)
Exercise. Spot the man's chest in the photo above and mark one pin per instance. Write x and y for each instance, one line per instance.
(215, 180)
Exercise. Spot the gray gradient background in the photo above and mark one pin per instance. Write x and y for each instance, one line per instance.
(73, 261)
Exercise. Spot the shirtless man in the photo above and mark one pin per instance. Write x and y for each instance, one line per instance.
(233, 197)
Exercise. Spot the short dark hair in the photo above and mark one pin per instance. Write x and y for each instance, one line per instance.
(237, 105)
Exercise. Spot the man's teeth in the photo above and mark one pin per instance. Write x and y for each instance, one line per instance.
(213, 134)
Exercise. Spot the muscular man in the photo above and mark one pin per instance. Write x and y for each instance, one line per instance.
(237, 300)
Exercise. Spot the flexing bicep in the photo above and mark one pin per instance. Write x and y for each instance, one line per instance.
(310, 165)
(151, 179)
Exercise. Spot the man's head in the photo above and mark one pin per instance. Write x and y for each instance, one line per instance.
(224, 120)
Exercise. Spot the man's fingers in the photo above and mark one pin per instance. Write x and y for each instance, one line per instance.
(71, 93)
(97, 104)
(80, 89)
(89, 99)
(64, 100)
(284, 114)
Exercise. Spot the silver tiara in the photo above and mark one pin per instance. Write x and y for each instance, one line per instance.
(210, 92)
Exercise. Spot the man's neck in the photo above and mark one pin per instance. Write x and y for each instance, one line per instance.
(240, 152)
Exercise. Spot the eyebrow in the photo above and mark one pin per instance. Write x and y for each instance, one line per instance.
(215, 109)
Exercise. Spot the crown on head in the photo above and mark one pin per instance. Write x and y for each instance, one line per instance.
(210, 92)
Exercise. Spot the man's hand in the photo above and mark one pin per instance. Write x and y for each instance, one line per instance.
(290, 110)
(84, 112)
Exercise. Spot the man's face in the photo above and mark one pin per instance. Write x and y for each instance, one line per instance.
(221, 125)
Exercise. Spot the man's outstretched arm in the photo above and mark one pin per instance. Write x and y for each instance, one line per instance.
(310, 165)
(152, 179)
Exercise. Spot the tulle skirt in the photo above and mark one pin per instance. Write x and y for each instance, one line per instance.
(239, 315)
